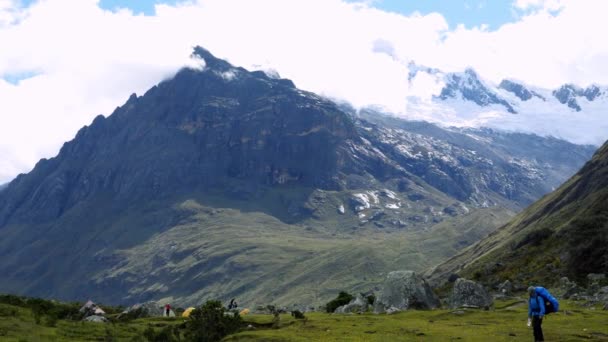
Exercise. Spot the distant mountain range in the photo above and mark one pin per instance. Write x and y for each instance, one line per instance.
(465, 99)
(223, 183)
(563, 234)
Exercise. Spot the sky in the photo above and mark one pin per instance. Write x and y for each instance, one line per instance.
(63, 62)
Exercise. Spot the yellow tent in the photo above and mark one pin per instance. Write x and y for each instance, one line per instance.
(244, 312)
(187, 312)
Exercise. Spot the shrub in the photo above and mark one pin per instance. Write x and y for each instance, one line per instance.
(39, 307)
(211, 322)
(535, 238)
(7, 311)
(371, 299)
(167, 334)
(297, 314)
(587, 240)
(13, 300)
(342, 299)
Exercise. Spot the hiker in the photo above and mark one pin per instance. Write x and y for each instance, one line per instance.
(167, 309)
(536, 312)
(232, 304)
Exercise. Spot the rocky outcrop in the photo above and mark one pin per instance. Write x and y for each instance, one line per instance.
(357, 305)
(467, 293)
(404, 290)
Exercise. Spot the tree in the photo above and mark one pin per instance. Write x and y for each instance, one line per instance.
(212, 322)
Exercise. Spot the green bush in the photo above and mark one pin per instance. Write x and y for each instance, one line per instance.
(297, 314)
(13, 300)
(167, 334)
(7, 311)
(342, 299)
(587, 240)
(212, 322)
(535, 238)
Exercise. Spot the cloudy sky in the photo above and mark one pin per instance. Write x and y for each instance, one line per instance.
(62, 62)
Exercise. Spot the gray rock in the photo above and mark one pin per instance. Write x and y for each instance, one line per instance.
(568, 288)
(357, 305)
(595, 278)
(505, 288)
(96, 319)
(405, 290)
(467, 293)
(392, 310)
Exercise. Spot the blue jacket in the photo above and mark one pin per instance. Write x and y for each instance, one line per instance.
(536, 306)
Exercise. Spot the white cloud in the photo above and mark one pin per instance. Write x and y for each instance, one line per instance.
(87, 61)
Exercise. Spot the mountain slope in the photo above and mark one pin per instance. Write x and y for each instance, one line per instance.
(222, 182)
(563, 234)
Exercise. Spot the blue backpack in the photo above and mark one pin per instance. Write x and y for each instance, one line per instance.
(551, 304)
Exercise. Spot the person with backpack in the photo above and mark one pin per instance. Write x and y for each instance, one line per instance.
(167, 309)
(536, 312)
(232, 304)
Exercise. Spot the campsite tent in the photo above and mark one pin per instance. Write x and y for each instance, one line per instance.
(187, 312)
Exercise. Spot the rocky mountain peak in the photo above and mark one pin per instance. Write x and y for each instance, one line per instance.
(468, 86)
(519, 90)
(210, 60)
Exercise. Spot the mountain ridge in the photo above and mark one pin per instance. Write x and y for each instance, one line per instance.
(465, 99)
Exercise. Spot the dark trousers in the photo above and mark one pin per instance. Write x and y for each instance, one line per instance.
(537, 323)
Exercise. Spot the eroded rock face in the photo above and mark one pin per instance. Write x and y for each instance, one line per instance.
(467, 293)
(404, 290)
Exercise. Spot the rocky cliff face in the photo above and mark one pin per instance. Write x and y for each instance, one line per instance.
(224, 182)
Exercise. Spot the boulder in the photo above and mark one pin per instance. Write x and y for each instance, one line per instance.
(357, 305)
(467, 293)
(405, 290)
(96, 319)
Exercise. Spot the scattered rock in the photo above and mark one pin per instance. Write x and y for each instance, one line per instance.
(96, 319)
(467, 293)
(458, 312)
(453, 277)
(505, 288)
(405, 290)
(594, 278)
(392, 310)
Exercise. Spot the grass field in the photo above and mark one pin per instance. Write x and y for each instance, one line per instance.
(506, 322)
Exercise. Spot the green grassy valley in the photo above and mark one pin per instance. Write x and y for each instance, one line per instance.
(505, 322)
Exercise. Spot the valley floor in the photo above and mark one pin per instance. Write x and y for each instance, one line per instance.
(506, 322)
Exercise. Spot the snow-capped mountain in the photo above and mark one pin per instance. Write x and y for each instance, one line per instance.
(464, 99)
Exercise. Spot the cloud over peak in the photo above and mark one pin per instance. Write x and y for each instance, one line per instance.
(65, 61)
